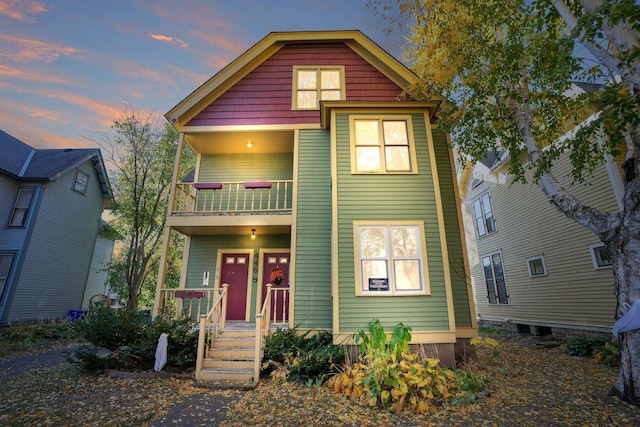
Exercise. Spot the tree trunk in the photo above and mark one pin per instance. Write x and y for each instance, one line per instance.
(624, 249)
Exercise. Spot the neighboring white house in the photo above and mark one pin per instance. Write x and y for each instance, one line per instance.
(533, 269)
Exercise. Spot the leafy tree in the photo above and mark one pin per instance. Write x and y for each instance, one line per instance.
(140, 154)
(505, 69)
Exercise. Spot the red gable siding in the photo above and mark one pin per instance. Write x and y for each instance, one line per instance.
(264, 95)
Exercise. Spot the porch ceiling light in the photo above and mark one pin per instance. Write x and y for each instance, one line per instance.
(249, 144)
(253, 234)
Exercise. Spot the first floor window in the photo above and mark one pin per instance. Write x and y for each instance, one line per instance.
(494, 279)
(600, 256)
(390, 259)
(536, 266)
(5, 267)
(21, 207)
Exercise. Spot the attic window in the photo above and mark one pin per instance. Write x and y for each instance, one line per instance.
(314, 84)
(80, 183)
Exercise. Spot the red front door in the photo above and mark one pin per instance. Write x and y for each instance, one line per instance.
(235, 272)
(279, 300)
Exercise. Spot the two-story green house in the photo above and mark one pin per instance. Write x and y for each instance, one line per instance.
(314, 166)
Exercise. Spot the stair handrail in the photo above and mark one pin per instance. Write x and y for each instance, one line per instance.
(263, 320)
(210, 324)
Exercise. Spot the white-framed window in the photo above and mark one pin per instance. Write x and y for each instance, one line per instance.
(314, 84)
(536, 266)
(390, 258)
(80, 183)
(495, 279)
(21, 207)
(5, 267)
(600, 256)
(483, 214)
(382, 145)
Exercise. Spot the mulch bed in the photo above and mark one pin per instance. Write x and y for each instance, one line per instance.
(532, 384)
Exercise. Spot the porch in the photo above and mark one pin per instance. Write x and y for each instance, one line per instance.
(228, 351)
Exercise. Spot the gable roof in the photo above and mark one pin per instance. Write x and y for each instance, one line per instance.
(208, 92)
(23, 162)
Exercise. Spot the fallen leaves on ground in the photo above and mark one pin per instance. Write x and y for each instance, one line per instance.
(531, 385)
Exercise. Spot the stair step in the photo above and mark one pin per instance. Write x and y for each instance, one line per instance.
(227, 363)
(233, 342)
(234, 353)
(237, 375)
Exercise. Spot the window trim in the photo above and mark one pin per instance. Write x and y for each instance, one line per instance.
(78, 185)
(484, 214)
(544, 266)
(318, 69)
(422, 258)
(595, 257)
(495, 284)
(380, 118)
(27, 208)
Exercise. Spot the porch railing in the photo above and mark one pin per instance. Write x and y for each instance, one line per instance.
(268, 315)
(210, 324)
(190, 302)
(232, 197)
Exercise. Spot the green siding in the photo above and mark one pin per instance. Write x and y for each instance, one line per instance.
(388, 197)
(313, 307)
(457, 270)
(246, 167)
(203, 252)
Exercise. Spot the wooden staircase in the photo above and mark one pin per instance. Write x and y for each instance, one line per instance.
(230, 361)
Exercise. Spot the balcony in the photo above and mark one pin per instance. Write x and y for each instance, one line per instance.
(233, 198)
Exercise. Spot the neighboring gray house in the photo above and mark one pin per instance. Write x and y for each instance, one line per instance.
(51, 202)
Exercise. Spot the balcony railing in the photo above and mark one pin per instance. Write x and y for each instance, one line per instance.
(221, 198)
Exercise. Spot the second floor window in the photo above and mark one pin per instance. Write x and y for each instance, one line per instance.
(21, 207)
(483, 214)
(382, 145)
(315, 84)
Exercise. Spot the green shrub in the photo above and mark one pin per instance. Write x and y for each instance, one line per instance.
(609, 354)
(37, 333)
(387, 375)
(584, 345)
(304, 357)
(123, 339)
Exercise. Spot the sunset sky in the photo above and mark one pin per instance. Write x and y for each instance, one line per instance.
(69, 67)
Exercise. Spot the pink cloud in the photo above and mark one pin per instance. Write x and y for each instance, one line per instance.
(170, 40)
(22, 9)
(135, 70)
(10, 72)
(19, 49)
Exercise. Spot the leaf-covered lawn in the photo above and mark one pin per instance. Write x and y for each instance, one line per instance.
(530, 386)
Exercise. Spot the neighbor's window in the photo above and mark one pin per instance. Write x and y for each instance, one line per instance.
(600, 256)
(5, 266)
(483, 214)
(536, 266)
(494, 279)
(382, 145)
(80, 184)
(315, 84)
(390, 259)
(21, 207)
